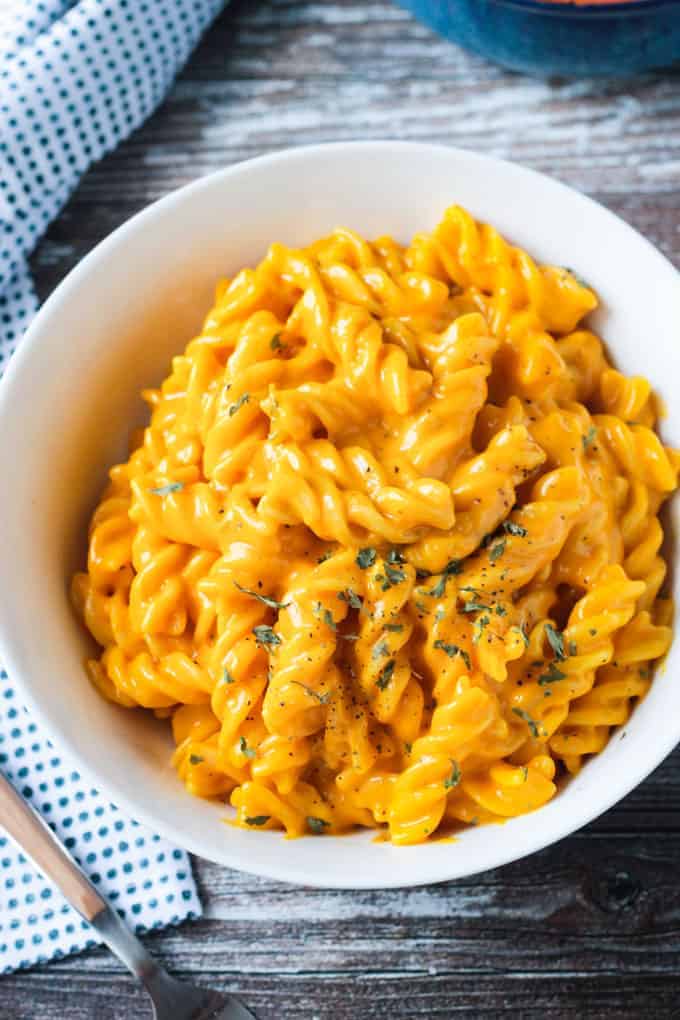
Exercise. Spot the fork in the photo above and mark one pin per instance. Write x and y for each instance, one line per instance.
(171, 999)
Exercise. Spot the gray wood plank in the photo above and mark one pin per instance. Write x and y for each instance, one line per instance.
(590, 927)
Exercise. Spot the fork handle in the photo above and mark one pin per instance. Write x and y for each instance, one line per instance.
(34, 836)
(37, 840)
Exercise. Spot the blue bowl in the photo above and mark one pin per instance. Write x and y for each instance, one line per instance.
(560, 38)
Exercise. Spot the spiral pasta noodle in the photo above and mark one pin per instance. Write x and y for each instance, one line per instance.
(388, 552)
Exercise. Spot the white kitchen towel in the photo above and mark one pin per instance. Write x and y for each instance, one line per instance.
(76, 77)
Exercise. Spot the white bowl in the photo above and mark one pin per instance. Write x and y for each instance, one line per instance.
(70, 397)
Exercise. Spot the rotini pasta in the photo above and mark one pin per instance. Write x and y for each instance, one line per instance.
(388, 552)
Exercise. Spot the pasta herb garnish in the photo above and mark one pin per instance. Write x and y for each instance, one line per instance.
(524, 635)
(317, 825)
(257, 819)
(249, 752)
(325, 615)
(266, 600)
(380, 650)
(385, 675)
(394, 627)
(531, 723)
(480, 623)
(351, 598)
(243, 399)
(573, 648)
(512, 528)
(589, 437)
(501, 610)
(323, 699)
(227, 678)
(552, 676)
(366, 558)
(265, 636)
(474, 607)
(275, 343)
(165, 490)
(324, 556)
(452, 568)
(556, 641)
(195, 759)
(453, 650)
(525, 772)
(497, 550)
(454, 778)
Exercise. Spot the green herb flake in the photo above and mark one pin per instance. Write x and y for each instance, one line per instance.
(366, 558)
(265, 636)
(480, 623)
(243, 399)
(589, 437)
(501, 610)
(325, 615)
(165, 490)
(323, 699)
(249, 752)
(573, 648)
(394, 556)
(227, 678)
(497, 551)
(453, 650)
(266, 600)
(195, 759)
(454, 778)
(380, 650)
(258, 820)
(317, 825)
(351, 598)
(385, 675)
(452, 568)
(275, 343)
(325, 556)
(552, 676)
(525, 773)
(394, 627)
(392, 576)
(512, 528)
(525, 636)
(533, 726)
(474, 607)
(556, 641)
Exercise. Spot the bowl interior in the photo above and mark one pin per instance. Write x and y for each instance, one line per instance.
(70, 398)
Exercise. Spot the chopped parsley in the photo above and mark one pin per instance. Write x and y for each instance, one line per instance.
(394, 627)
(525, 772)
(589, 437)
(317, 825)
(533, 726)
(392, 576)
(497, 551)
(385, 675)
(512, 528)
(480, 623)
(501, 610)
(453, 650)
(381, 649)
(525, 636)
(454, 778)
(452, 568)
(249, 752)
(243, 399)
(258, 820)
(264, 599)
(366, 558)
(394, 556)
(227, 678)
(556, 641)
(265, 636)
(325, 615)
(351, 598)
(165, 490)
(474, 607)
(323, 699)
(195, 759)
(275, 343)
(552, 676)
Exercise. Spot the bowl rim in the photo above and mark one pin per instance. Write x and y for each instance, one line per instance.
(285, 868)
(574, 8)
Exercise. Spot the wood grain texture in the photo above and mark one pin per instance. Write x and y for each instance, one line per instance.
(589, 928)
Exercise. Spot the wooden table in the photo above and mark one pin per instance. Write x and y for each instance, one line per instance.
(590, 927)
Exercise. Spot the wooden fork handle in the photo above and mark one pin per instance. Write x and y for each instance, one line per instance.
(36, 839)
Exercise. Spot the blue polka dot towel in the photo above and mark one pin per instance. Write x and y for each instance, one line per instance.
(76, 76)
